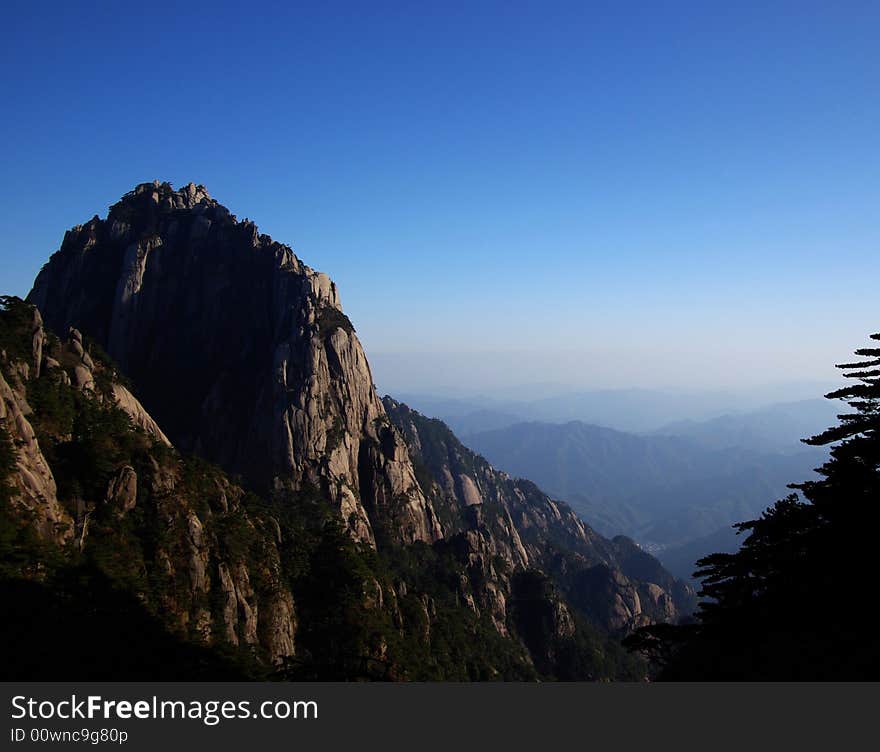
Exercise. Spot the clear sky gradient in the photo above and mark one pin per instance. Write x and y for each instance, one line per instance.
(597, 194)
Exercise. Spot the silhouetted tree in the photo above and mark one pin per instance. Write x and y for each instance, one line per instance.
(796, 601)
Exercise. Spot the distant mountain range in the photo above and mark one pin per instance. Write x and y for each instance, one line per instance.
(774, 428)
(664, 491)
(797, 405)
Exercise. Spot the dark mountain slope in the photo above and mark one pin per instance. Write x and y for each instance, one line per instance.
(159, 567)
(96, 509)
(244, 357)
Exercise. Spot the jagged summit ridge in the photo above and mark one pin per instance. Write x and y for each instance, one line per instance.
(163, 195)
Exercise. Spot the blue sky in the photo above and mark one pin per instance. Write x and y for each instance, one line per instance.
(596, 194)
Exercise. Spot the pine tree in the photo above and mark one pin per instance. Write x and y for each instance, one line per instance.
(796, 600)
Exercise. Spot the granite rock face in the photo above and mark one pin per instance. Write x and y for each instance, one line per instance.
(35, 491)
(241, 352)
(179, 556)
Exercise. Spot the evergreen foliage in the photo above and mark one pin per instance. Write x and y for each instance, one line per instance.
(15, 322)
(793, 602)
(330, 318)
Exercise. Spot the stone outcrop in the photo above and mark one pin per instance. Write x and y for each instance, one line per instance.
(34, 488)
(122, 490)
(33, 481)
(127, 402)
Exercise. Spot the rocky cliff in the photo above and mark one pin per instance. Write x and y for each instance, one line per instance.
(371, 543)
(241, 351)
(93, 482)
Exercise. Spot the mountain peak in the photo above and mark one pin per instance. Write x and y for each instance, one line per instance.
(268, 377)
(140, 211)
(243, 356)
(163, 195)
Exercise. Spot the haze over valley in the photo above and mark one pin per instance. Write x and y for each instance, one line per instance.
(677, 489)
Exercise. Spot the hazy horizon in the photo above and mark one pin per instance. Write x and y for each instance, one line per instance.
(511, 375)
(634, 410)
